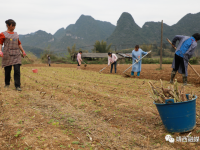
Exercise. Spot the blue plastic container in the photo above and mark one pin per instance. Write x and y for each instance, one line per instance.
(178, 117)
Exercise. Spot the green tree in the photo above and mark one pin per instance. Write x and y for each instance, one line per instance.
(164, 46)
(147, 48)
(163, 52)
(83, 51)
(154, 47)
(72, 50)
(47, 51)
(101, 47)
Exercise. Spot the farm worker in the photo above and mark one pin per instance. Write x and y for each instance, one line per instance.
(183, 53)
(11, 53)
(112, 59)
(136, 55)
(49, 60)
(79, 59)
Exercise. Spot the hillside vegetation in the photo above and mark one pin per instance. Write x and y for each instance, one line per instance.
(86, 31)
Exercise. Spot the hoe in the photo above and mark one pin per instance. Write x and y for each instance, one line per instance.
(134, 64)
(85, 64)
(103, 68)
(188, 62)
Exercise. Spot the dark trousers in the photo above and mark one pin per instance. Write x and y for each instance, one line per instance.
(115, 63)
(16, 75)
(179, 62)
(78, 63)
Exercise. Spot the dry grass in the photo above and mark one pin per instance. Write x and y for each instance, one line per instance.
(62, 108)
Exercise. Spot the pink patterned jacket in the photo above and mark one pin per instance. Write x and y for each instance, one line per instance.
(112, 59)
(79, 58)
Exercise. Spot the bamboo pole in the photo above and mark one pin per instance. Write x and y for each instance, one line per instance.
(161, 44)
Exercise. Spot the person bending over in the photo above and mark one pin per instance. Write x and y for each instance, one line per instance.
(183, 53)
(112, 59)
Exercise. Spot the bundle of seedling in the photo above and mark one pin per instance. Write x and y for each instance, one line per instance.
(160, 94)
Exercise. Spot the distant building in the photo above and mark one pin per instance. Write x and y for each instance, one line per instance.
(97, 55)
(121, 56)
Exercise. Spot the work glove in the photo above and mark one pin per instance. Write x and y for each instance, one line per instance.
(1, 54)
(24, 54)
(136, 61)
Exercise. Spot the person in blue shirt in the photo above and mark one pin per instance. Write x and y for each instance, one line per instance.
(136, 55)
(183, 53)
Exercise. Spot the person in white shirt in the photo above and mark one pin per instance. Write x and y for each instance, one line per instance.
(79, 60)
(112, 59)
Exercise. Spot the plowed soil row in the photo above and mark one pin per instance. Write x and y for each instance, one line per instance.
(149, 71)
(64, 108)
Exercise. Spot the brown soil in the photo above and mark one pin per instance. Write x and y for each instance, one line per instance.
(64, 108)
(149, 71)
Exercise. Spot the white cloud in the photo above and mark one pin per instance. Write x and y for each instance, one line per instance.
(50, 15)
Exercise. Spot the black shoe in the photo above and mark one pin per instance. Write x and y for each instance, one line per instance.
(18, 89)
(6, 86)
(173, 74)
(184, 80)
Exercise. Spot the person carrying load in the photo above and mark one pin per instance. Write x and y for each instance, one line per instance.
(183, 53)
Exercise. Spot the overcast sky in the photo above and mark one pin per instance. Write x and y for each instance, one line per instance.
(51, 15)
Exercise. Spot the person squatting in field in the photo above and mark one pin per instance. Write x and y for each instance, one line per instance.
(11, 55)
(136, 55)
(79, 60)
(183, 53)
(112, 59)
(49, 60)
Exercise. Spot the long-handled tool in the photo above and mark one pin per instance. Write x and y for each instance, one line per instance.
(85, 64)
(104, 68)
(188, 62)
(136, 62)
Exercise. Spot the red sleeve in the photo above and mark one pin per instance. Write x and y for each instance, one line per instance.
(2, 38)
(19, 42)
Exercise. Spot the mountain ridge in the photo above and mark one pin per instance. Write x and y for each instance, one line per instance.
(150, 32)
(87, 30)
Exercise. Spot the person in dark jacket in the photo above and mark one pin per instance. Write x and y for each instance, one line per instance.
(49, 60)
(183, 53)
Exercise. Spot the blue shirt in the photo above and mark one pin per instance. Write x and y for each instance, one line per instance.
(137, 55)
(185, 46)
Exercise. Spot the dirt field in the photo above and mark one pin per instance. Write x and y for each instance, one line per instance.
(149, 71)
(62, 108)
